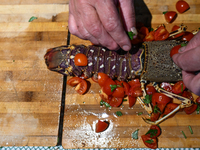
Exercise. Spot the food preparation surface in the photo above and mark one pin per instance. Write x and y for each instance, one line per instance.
(30, 95)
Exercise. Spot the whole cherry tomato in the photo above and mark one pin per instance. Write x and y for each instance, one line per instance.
(170, 16)
(174, 28)
(150, 89)
(109, 83)
(166, 86)
(150, 36)
(80, 60)
(161, 34)
(187, 36)
(102, 77)
(150, 142)
(174, 50)
(182, 6)
(191, 109)
(119, 92)
(178, 87)
(116, 101)
(131, 100)
(101, 126)
(81, 88)
(154, 131)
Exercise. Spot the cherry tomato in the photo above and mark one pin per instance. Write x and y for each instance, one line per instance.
(155, 131)
(116, 101)
(106, 98)
(149, 36)
(198, 100)
(169, 108)
(135, 91)
(161, 34)
(188, 95)
(81, 88)
(191, 109)
(80, 60)
(94, 79)
(126, 87)
(150, 142)
(170, 16)
(119, 92)
(178, 87)
(134, 83)
(107, 86)
(174, 28)
(166, 86)
(83, 76)
(174, 50)
(187, 36)
(182, 6)
(74, 81)
(101, 126)
(154, 116)
(150, 89)
(102, 77)
(144, 30)
(131, 100)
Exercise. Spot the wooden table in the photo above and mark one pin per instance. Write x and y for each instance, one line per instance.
(30, 95)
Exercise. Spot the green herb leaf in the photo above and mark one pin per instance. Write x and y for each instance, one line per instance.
(184, 135)
(147, 99)
(140, 113)
(124, 100)
(198, 108)
(152, 132)
(32, 18)
(183, 44)
(181, 87)
(151, 29)
(104, 103)
(156, 110)
(131, 35)
(119, 113)
(134, 135)
(113, 87)
(190, 128)
(149, 141)
(164, 12)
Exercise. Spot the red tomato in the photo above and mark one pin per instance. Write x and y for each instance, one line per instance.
(182, 6)
(178, 87)
(149, 36)
(119, 92)
(166, 86)
(102, 77)
(116, 101)
(161, 34)
(135, 91)
(187, 36)
(191, 109)
(150, 142)
(174, 50)
(81, 88)
(105, 97)
(101, 126)
(126, 87)
(170, 16)
(94, 79)
(80, 60)
(134, 82)
(144, 30)
(155, 131)
(154, 116)
(83, 76)
(169, 108)
(150, 89)
(188, 95)
(175, 27)
(131, 101)
(74, 81)
(198, 100)
(107, 86)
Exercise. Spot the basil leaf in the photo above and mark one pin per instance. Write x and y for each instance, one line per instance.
(134, 135)
(147, 99)
(140, 113)
(152, 132)
(32, 18)
(113, 87)
(104, 103)
(131, 34)
(156, 110)
(119, 113)
(149, 141)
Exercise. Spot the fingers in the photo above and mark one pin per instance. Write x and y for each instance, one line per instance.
(192, 81)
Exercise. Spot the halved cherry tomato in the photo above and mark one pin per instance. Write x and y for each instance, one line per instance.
(126, 87)
(174, 50)
(150, 142)
(191, 109)
(135, 91)
(119, 92)
(150, 36)
(144, 30)
(178, 87)
(166, 86)
(198, 100)
(154, 131)
(131, 100)
(187, 36)
(80, 60)
(102, 77)
(169, 108)
(134, 83)
(174, 28)
(154, 116)
(107, 86)
(150, 89)
(161, 34)
(74, 81)
(170, 16)
(116, 101)
(81, 88)
(101, 126)
(106, 98)
(188, 95)
(182, 6)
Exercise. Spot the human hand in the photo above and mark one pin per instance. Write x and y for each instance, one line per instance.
(188, 59)
(99, 22)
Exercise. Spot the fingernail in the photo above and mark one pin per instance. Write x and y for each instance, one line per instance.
(134, 30)
(126, 47)
(182, 49)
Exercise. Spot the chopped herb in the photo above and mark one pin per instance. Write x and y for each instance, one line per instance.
(151, 29)
(83, 102)
(198, 108)
(156, 110)
(131, 34)
(181, 87)
(152, 132)
(184, 135)
(190, 128)
(124, 100)
(149, 141)
(113, 87)
(104, 103)
(140, 113)
(119, 113)
(183, 44)
(134, 135)
(147, 99)
(32, 18)
(13, 60)
(164, 12)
